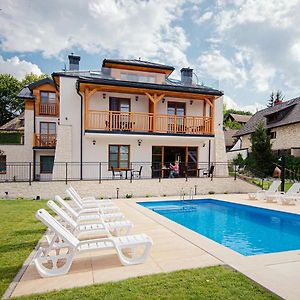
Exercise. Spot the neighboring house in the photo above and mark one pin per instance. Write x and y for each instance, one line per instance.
(126, 115)
(229, 139)
(283, 124)
(241, 119)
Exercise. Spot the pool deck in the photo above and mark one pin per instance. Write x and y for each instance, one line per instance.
(175, 247)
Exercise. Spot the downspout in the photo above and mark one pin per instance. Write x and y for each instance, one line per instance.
(81, 126)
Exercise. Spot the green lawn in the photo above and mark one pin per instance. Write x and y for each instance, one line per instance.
(207, 283)
(266, 184)
(20, 231)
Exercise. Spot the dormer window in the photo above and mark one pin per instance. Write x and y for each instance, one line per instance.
(137, 77)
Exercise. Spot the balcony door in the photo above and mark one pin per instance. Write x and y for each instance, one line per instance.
(47, 134)
(176, 114)
(120, 113)
(48, 103)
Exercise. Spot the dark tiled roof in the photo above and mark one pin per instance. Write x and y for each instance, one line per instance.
(15, 124)
(241, 118)
(197, 89)
(26, 93)
(228, 135)
(137, 62)
(292, 116)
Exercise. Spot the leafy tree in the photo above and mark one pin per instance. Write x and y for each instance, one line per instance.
(232, 124)
(31, 77)
(10, 105)
(238, 160)
(262, 150)
(271, 100)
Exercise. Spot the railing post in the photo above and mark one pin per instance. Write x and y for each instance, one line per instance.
(234, 171)
(29, 178)
(99, 172)
(131, 172)
(66, 173)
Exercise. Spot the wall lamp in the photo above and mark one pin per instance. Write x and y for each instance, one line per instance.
(191, 102)
(163, 100)
(104, 95)
(139, 142)
(203, 145)
(94, 142)
(136, 98)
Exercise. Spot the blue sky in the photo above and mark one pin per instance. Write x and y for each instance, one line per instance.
(252, 47)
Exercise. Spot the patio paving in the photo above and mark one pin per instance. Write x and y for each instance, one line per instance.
(175, 247)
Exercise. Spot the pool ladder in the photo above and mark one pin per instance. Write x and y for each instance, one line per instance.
(191, 194)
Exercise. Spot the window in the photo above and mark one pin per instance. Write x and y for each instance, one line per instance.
(119, 156)
(47, 128)
(47, 97)
(273, 135)
(2, 164)
(137, 77)
(46, 164)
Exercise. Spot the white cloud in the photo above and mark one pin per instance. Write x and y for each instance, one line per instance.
(131, 28)
(18, 68)
(217, 66)
(253, 108)
(204, 18)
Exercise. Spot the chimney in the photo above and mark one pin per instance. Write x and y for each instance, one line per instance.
(73, 62)
(186, 76)
(278, 101)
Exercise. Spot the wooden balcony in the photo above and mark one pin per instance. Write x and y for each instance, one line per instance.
(147, 122)
(45, 140)
(50, 109)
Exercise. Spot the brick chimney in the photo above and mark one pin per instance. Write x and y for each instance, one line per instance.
(73, 62)
(186, 76)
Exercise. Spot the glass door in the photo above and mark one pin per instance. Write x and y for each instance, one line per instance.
(176, 116)
(120, 110)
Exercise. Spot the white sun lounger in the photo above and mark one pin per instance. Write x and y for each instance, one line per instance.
(56, 259)
(292, 196)
(93, 208)
(261, 195)
(82, 216)
(90, 200)
(117, 228)
(276, 197)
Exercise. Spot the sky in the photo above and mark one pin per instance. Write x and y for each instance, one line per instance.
(249, 47)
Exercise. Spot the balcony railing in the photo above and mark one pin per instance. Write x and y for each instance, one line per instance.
(147, 122)
(45, 140)
(49, 109)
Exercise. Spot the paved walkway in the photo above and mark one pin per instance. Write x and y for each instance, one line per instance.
(175, 247)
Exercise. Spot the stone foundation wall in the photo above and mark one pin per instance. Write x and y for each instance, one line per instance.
(139, 188)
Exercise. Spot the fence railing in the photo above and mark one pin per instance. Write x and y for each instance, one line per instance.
(45, 140)
(99, 171)
(147, 122)
(49, 109)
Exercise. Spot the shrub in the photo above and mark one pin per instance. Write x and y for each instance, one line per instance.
(67, 198)
(211, 192)
(129, 196)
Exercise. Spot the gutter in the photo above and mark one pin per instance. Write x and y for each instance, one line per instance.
(81, 125)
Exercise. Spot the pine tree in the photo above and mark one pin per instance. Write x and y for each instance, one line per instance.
(261, 149)
(271, 100)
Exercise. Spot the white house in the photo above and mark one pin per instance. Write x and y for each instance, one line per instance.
(127, 116)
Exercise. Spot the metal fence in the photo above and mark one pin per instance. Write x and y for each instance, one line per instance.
(99, 171)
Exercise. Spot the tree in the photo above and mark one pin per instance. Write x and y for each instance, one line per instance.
(10, 105)
(31, 77)
(232, 124)
(261, 150)
(271, 100)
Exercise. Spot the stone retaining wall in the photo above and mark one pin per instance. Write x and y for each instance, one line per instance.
(138, 188)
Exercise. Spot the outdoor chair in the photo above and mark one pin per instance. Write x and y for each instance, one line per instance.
(137, 173)
(93, 209)
(261, 195)
(56, 259)
(83, 216)
(116, 173)
(288, 198)
(88, 203)
(88, 199)
(99, 228)
(209, 172)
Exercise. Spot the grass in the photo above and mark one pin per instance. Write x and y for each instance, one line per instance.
(19, 234)
(266, 184)
(208, 283)
(20, 231)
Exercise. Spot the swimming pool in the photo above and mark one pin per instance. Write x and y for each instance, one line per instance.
(245, 229)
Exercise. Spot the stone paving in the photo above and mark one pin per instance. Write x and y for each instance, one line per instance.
(175, 247)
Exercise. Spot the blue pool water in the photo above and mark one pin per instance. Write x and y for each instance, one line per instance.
(242, 228)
